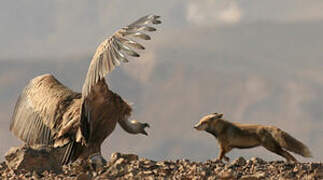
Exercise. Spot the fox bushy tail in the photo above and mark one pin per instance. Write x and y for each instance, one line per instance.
(290, 143)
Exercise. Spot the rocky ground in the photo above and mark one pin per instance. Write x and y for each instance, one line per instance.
(129, 166)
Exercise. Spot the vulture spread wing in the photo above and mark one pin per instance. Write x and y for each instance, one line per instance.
(115, 49)
(38, 112)
(38, 118)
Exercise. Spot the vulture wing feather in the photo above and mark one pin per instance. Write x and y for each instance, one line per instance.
(116, 48)
(37, 117)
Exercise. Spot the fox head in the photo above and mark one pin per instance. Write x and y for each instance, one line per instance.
(207, 121)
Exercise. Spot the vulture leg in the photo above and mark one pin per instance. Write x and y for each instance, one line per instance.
(97, 161)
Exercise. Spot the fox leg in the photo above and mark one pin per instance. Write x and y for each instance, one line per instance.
(272, 145)
(278, 150)
(286, 155)
(223, 151)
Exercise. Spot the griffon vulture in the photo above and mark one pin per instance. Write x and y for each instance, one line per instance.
(52, 116)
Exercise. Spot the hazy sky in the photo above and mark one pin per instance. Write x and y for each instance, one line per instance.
(58, 28)
(256, 61)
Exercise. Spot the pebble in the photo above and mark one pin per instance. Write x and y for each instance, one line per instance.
(129, 166)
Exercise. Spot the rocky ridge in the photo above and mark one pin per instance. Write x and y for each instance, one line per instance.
(129, 166)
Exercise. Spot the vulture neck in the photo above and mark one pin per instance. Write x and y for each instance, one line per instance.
(132, 127)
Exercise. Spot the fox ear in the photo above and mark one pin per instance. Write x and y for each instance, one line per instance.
(220, 115)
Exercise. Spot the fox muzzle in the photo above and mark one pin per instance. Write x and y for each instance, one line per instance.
(200, 127)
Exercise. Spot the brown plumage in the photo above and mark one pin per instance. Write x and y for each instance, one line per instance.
(50, 115)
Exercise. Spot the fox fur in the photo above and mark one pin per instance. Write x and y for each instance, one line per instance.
(235, 135)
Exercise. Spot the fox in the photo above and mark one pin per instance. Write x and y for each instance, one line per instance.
(235, 135)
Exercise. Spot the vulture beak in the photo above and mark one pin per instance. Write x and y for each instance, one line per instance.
(145, 125)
